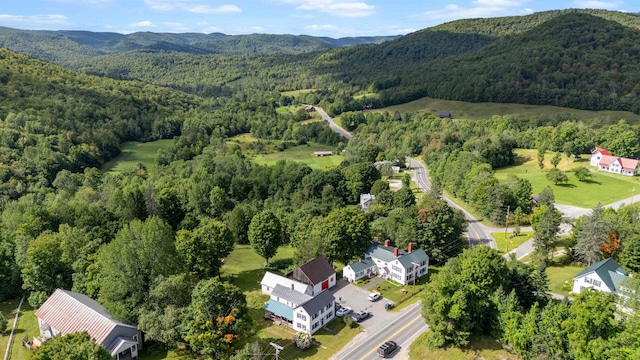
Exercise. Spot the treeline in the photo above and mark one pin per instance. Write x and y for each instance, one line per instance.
(509, 303)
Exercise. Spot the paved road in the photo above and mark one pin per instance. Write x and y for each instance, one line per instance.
(477, 233)
(344, 133)
(405, 327)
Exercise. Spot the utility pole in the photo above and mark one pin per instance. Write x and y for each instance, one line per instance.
(506, 225)
(277, 347)
(633, 193)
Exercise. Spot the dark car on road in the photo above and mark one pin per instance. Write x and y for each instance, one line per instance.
(387, 348)
(360, 315)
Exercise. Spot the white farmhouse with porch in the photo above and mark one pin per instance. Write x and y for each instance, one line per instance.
(390, 263)
(67, 312)
(299, 299)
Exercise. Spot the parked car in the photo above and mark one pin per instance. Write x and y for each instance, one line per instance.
(374, 296)
(389, 305)
(387, 348)
(343, 311)
(360, 315)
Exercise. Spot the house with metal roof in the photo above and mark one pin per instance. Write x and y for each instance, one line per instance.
(317, 273)
(299, 299)
(390, 263)
(66, 312)
(605, 275)
(603, 159)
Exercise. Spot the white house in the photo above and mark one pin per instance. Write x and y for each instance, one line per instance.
(366, 200)
(67, 312)
(299, 299)
(605, 275)
(617, 165)
(390, 263)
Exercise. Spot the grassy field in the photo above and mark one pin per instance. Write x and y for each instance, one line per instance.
(401, 295)
(295, 93)
(602, 187)
(559, 274)
(509, 243)
(474, 111)
(27, 325)
(134, 152)
(483, 348)
(302, 153)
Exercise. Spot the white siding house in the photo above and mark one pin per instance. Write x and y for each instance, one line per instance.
(603, 160)
(66, 312)
(605, 275)
(299, 300)
(390, 263)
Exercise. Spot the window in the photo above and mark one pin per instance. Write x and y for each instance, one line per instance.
(587, 280)
(597, 283)
(302, 326)
(314, 316)
(302, 317)
(329, 315)
(314, 326)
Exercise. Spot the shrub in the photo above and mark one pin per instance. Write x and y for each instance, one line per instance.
(3, 324)
(349, 321)
(302, 340)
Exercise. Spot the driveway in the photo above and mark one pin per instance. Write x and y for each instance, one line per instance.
(356, 298)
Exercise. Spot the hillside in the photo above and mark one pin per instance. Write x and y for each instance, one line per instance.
(55, 119)
(70, 47)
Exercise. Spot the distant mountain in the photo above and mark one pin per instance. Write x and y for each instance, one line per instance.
(65, 46)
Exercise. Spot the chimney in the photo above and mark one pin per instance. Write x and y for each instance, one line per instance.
(386, 242)
(409, 248)
(292, 287)
(395, 252)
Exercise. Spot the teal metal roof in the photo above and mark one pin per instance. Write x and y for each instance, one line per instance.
(362, 265)
(416, 256)
(385, 253)
(609, 271)
(279, 309)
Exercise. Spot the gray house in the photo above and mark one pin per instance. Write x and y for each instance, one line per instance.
(67, 312)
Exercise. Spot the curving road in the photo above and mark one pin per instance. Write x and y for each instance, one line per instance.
(344, 133)
(477, 233)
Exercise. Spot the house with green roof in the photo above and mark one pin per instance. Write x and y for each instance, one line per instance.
(605, 275)
(390, 263)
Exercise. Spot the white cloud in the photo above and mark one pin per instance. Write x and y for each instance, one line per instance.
(344, 8)
(165, 26)
(595, 4)
(479, 8)
(316, 28)
(191, 6)
(33, 21)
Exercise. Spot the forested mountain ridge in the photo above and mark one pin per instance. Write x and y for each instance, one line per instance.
(57, 119)
(66, 47)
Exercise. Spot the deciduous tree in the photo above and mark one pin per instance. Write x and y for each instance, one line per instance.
(74, 346)
(205, 247)
(217, 319)
(265, 234)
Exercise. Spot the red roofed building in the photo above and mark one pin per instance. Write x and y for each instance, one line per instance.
(67, 312)
(617, 165)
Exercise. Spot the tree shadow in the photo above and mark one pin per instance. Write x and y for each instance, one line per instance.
(520, 159)
(591, 181)
(567, 185)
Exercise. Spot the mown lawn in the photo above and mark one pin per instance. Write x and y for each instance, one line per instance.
(134, 152)
(27, 325)
(8, 309)
(602, 187)
(473, 111)
(558, 275)
(303, 153)
(295, 93)
(484, 348)
(508, 243)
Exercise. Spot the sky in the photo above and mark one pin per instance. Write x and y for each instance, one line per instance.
(333, 18)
